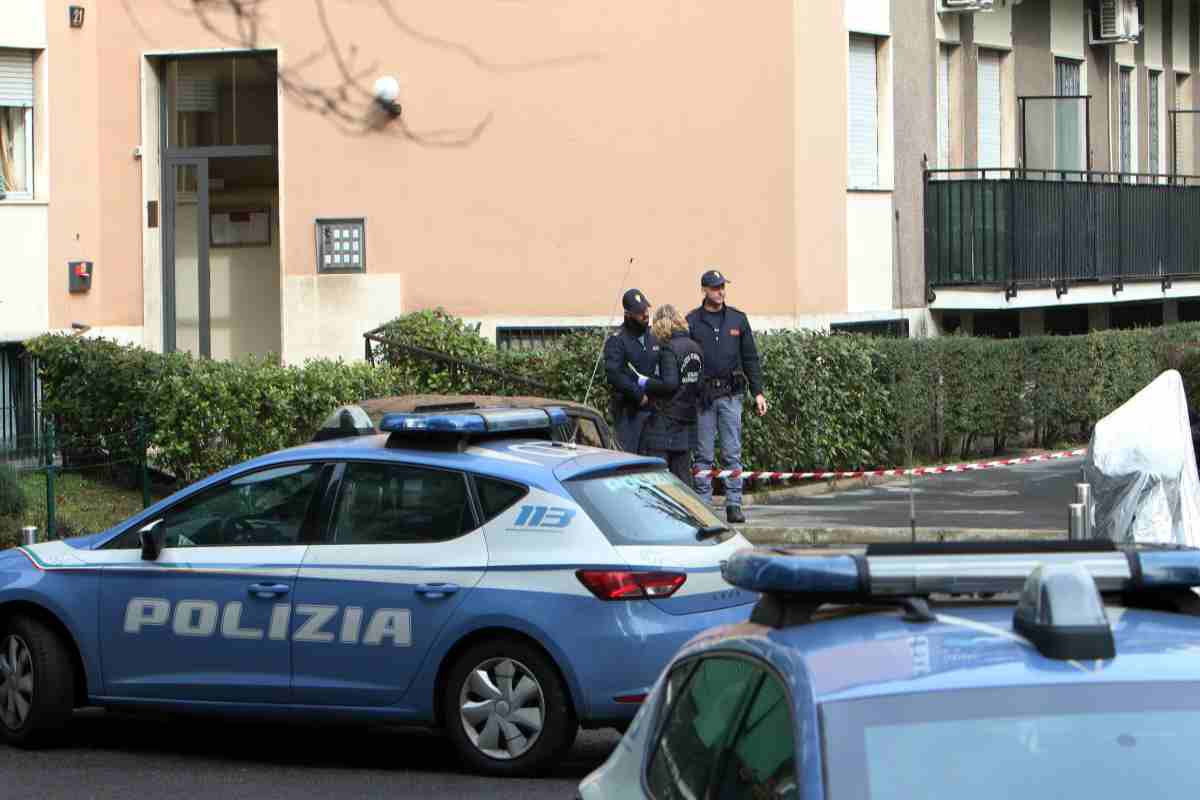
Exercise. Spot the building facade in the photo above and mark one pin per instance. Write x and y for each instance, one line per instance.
(170, 181)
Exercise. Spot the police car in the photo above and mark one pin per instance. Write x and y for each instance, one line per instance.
(906, 672)
(460, 569)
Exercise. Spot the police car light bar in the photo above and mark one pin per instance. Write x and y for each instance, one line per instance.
(475, 422)
(882, 576)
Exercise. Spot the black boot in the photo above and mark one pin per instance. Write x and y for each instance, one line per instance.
(734, 514)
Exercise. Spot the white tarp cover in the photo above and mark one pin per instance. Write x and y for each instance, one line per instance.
(1142, 469)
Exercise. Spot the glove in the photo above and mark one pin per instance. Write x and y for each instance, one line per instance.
(641, 379)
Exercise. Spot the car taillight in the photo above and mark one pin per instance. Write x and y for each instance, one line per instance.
(610, 584)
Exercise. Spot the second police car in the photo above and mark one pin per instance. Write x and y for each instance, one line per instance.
(461, 569)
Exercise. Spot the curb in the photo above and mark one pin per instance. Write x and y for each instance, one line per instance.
(816, 537)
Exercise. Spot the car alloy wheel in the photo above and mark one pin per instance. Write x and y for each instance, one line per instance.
(16, 682)
(503, 708)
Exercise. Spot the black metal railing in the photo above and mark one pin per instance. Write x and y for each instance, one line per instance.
(1022, 227)
(21, 426)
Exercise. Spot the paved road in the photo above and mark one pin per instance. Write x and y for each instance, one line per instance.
(117, 756)
(1025, 497)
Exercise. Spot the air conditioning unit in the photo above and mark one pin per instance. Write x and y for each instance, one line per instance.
(962, 6)
(1114, 21)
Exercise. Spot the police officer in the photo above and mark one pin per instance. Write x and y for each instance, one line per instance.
(628, 353)
(730, 367)
(675, 393)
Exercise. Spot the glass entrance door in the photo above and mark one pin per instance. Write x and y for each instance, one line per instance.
(186, 288)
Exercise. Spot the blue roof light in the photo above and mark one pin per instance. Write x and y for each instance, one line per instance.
(798, 572)
(475, 422)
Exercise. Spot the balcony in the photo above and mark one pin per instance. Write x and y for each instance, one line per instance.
(1038, 228)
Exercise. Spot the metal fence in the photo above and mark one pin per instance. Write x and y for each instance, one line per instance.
(21, 427)
(1055, 227)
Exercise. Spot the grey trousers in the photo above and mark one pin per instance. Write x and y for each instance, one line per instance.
(724, 418)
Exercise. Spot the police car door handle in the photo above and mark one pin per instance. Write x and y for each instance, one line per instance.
(267, 590)
(435, 590)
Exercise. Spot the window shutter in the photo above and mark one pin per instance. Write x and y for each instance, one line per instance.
(943, 90)
(864, 113)
(1126, 111)
(16, 78)
(196, 94)
(990, 110)
(1152, 99)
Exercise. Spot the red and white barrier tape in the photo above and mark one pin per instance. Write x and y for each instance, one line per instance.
(748, 475)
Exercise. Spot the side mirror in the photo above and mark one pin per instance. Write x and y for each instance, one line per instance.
(152, 540)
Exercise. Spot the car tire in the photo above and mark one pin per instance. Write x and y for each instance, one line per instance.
(506, 709)
(37, 683)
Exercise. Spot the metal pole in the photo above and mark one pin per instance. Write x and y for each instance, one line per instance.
(29, 534)
(142, 447)
(1083, 496)
(1075, 519)
(50, 448)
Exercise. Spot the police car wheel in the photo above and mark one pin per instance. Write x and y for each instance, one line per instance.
(506, 709)
(37, 683)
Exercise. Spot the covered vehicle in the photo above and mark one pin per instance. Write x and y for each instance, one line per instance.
(584, 425)
(1032, 670)
(1141, 465)
(459, 570)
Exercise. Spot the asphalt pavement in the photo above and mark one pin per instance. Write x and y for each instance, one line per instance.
(1008, 501)
(111, 755)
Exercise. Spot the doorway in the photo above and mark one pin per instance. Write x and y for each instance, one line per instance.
(220, 201)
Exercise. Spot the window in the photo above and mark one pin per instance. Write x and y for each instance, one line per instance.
(1070, 139)
(697, 725)
(648, 507)
(761, 760)
(397, 504)
(1153, 111)
(864, 112)
(880, 327)
(16, 123)
(1184, 124)
(496, 496)
(1126, 119)
(586, 433)
(945, 106)
(991, 110)
(267, 507)
(538, 338)
(221, 100)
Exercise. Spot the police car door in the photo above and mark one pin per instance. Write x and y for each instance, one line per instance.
(208, 619)
(403, 551)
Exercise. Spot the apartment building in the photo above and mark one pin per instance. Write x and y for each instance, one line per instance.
(900, 166)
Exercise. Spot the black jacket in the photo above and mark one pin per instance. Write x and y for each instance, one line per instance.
(676, 390)
(728, 349)
(620, 350)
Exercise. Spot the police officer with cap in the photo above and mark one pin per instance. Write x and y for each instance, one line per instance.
(630, 360)
(731, 366)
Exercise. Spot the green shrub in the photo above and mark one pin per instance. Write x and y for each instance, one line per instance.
(12, 497)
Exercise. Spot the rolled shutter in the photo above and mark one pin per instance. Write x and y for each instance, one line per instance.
(943, 89)
(16, 78)
(864, 113)
(990, 110)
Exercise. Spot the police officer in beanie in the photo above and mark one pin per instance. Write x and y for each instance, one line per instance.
(630, 359)
(730, 367)
(674, 394)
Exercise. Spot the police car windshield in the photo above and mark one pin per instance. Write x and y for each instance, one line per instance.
(1096, 741)
(646, 507)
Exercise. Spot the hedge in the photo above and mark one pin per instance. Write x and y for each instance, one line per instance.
(837, 401)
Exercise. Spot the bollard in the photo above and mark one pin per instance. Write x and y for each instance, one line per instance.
(1083, 496)
(29, 534)
(1075, 518)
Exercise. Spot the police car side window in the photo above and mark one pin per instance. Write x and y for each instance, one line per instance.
(697, 726)
(761, 759)
(381, 503)
(497, 496)
(265, 507)
(586, 433)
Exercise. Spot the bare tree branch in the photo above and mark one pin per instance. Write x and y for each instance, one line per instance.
(348, 101)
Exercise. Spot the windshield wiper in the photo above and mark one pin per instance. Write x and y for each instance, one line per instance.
(711, 531)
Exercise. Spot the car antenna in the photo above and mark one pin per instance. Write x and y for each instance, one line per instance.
(600, 354)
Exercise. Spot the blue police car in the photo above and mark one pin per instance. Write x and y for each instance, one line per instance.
(460, 569)
(906, 672)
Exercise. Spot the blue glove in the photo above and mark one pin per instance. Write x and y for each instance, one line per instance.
(642, 379)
